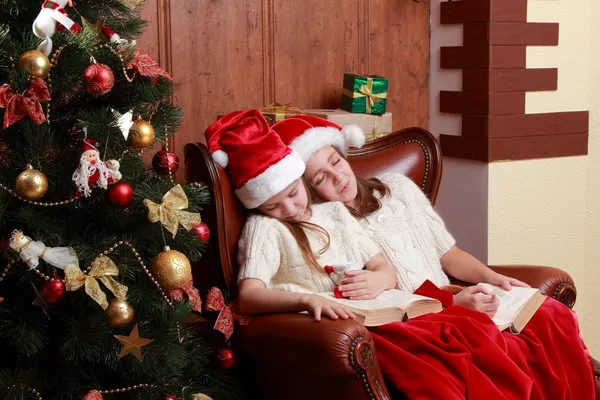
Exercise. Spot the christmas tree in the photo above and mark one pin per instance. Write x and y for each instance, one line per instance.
(96, 291)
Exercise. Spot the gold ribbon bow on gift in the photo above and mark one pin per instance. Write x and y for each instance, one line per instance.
(367, 91)
(103, 269)
(170, 212)
(281, 110)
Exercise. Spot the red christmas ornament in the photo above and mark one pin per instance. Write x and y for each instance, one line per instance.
(99, 78)
(53, 291)
(120, 194)
(93, 395)
(171, 398)
(226, 358)
(202, 232)
(164, 162)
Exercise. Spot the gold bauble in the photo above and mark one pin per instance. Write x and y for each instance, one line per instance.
(141, 134)
(34, 63)
(119, 312)
(31, 184)
(171, 269)
(201, 396)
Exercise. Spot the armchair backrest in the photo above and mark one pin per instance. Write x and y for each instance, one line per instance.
(413, 152)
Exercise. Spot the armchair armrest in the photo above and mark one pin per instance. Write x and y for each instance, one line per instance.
(552, 281)
(303, 357)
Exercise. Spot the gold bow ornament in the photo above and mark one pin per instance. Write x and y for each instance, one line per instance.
(103, 269)
(170, 212)
(366, 90)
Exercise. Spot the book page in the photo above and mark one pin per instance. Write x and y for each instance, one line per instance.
(387, 298)
(510, 301)
(372, 304)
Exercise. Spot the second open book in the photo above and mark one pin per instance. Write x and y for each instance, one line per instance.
(517, 306)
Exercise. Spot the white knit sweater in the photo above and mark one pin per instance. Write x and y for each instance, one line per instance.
(409, 233)
(268, 251)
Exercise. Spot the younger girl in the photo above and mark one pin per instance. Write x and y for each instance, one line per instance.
(279, 271)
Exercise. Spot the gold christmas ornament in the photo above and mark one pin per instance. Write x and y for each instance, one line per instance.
(131, 4)
(31, 184)
(171, 269)
(133, 343)
(119, 312)
(201, 396)
(34, 63)
(141, 134)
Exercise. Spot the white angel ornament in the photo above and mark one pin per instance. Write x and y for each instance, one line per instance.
(31, 251)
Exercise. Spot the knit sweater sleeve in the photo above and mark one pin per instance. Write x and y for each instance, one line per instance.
(259, 252)
(360, 242)
(406, 190)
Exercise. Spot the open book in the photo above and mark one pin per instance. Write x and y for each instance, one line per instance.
(517, 306)
(390, 306)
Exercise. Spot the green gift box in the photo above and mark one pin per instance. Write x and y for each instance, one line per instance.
(365, 94)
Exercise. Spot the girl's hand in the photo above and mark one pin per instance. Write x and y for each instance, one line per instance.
(364, 284)
(506, 282)
(478, 298)
(317, 306)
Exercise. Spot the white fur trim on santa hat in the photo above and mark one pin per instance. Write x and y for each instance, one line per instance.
(315, 139)
(272, 181)
(354, 136)
(221, 158)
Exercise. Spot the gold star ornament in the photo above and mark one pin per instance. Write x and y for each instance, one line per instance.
(133, 343)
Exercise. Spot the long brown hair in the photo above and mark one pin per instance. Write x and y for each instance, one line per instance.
(297, 229)
(366, 200)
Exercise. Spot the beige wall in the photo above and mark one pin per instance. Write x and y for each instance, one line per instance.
(462, 199)
(544, 212)
(548, 211)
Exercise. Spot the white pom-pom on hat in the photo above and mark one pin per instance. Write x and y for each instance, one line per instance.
(354, 135)
(221, 158)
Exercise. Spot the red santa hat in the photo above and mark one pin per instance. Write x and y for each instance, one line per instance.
(308, 134)
(259, 163)
(89, 145)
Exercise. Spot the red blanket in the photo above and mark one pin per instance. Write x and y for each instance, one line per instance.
(459, 353)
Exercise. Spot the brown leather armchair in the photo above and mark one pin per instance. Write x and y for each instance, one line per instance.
(290, 356)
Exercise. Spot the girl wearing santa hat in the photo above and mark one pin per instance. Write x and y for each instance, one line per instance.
(402, 222)
(287, 242)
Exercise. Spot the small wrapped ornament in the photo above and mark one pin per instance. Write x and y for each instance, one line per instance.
(276, 112)
(165, 163)
(99, 78)
(141, 134)
(31, 184)
(53, 291)
(31, 252)
(364, 94)
(34, 63)
(171, 269)
(92, 171)
(202, 232)
(226, 358)
(120, 194)
(53, 13)
(119, 312)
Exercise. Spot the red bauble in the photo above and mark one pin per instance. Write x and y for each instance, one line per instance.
(53, 291)
(99, 78)
(163, 162)
(226, 358)
(171, 398)
(120, 194)
(202, 232)
(93, 395)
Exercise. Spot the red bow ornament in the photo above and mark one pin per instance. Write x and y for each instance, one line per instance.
(191, 291)
(145, 65)
(226, 318)
(19, 105)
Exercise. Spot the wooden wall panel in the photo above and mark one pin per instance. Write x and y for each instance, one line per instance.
(315, 44)
(231, 54)
(399, 49)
